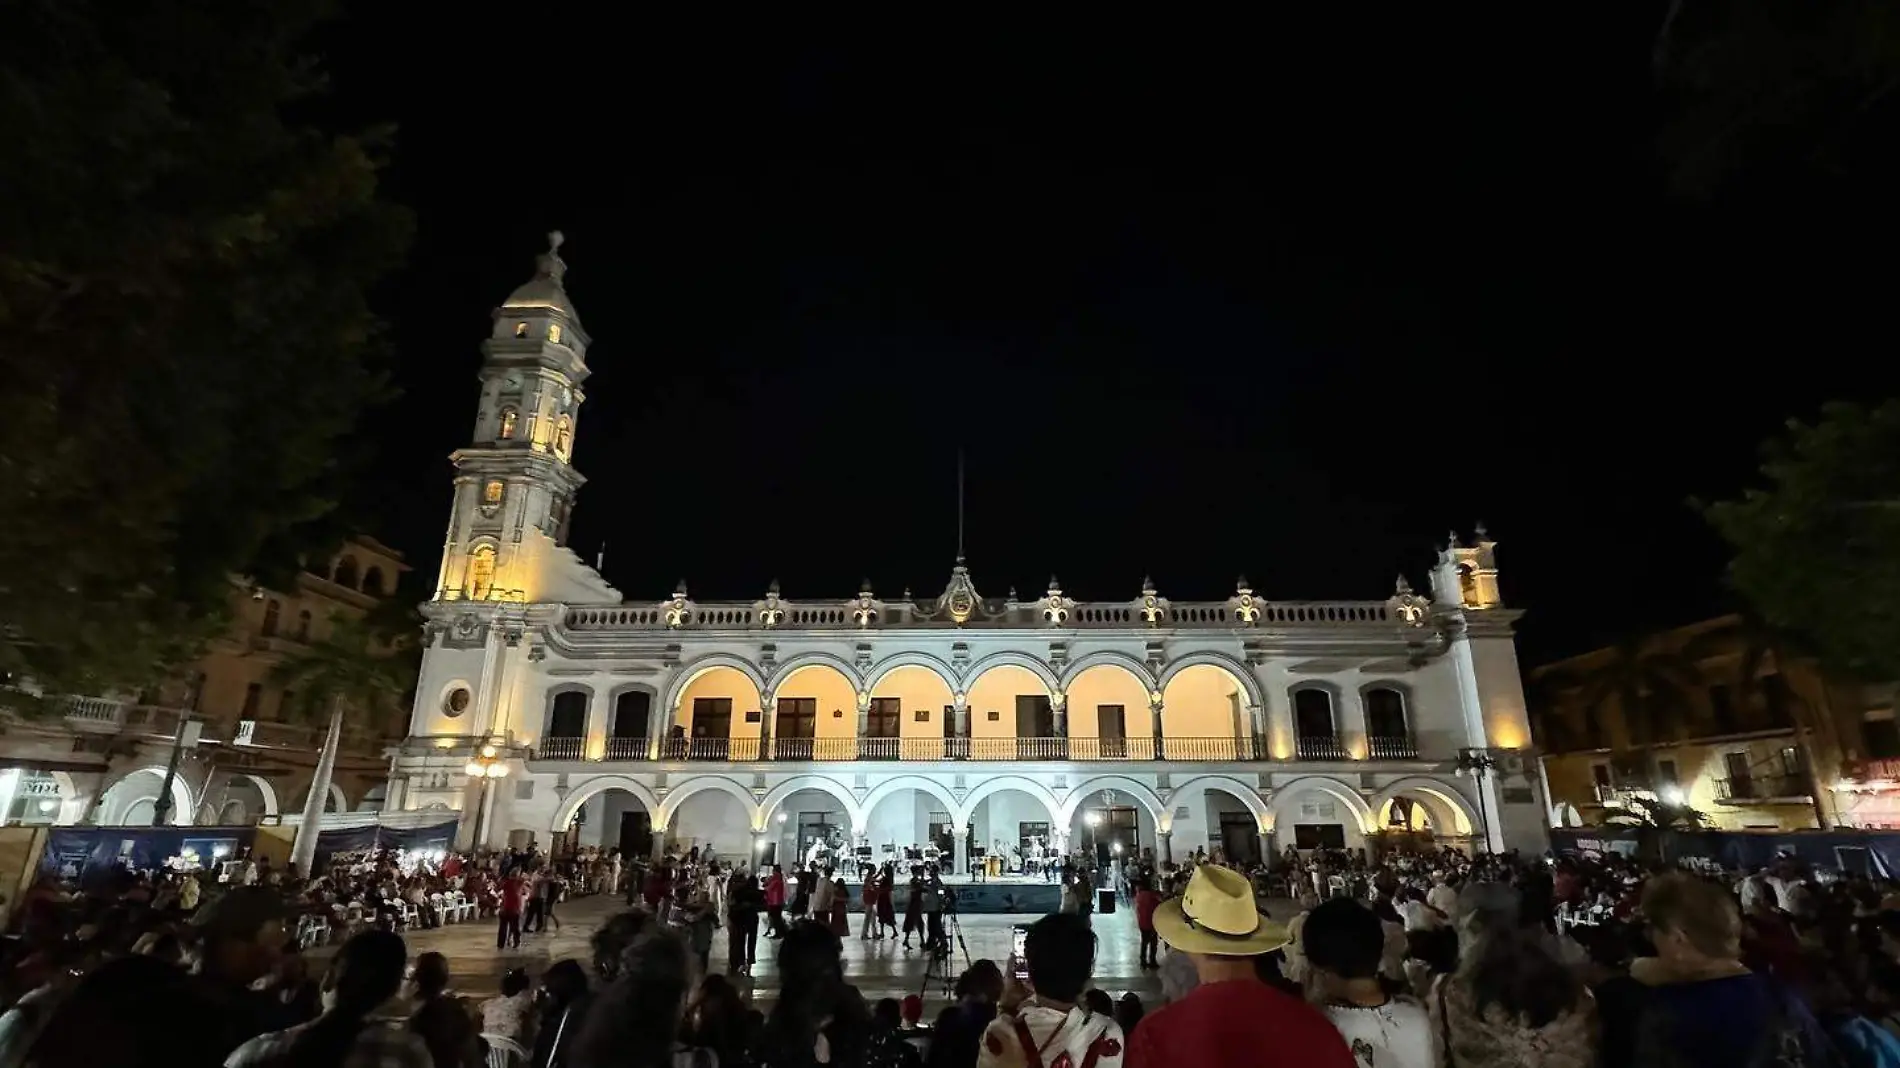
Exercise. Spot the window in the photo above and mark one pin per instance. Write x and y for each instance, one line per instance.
(455, 702)
(885, 718)
(1385, 713)
(253, 697)
(303, 626)
(1111, 721)
(563, 437)
(1790, 760)
(521, 329)
(287, 706)
(554, 333)
(373, 582)
(632, 713)
(567, 715)
(272, 610)
(1666, 773)
(345, 573)
(712, 717)
(1722, 709)
(508, 418)
(1882, 738)
(1600, 774)
(1035, 717)
(949, 721)
(1775, 694)
(1313, 713)
(491, 493)
(797, 717)
(481, 573)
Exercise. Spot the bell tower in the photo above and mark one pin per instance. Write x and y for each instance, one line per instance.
(515, 481)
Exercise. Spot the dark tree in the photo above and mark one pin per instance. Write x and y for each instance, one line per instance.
(185, 340)
(1817, 548)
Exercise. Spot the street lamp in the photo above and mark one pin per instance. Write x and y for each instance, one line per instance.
(1478, 763)
(487, 766)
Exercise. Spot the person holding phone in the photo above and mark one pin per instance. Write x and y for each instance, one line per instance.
(1051, 1026)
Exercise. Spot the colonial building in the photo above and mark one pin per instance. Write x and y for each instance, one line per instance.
(552, 708)
(103, 759)
(1718, 716)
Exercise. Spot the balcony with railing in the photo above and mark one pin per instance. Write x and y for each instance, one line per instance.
(1779, 787)
(1318, 747)
(794, 750)
(1391, 747)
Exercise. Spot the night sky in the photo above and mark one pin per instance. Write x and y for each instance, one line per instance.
(1288, 300)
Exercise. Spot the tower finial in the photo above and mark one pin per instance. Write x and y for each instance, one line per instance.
(550, 264)
(959, 505)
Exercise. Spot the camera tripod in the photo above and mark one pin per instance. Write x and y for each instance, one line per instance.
(939, 966)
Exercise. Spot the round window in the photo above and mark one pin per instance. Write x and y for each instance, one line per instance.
(456, 701)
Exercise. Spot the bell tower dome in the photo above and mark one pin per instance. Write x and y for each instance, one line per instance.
(515, 481)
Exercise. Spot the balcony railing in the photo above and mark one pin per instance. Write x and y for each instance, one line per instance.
(628, 749)
(1761, 787)
(1384, 747)
(925, 749)
(1318, 747)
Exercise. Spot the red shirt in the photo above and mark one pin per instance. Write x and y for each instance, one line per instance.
(1146, 901)
(1243, 1021)
(511, 896)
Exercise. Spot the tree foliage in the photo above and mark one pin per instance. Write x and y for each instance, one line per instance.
(185, 339)
(1643, 811)
(1650, 688)
(357, 666)
(1816, 550)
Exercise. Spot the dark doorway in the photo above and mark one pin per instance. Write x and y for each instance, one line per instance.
(797, 718)
(1112, 728)
(1240, 838)
(1104, 828)
(568, 717)
(633, 713)
(636, 834)
(885, 718)
(1034, 717)
(1319, 836)
(1313, 713)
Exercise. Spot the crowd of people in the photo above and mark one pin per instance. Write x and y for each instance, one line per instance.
(1424, 960)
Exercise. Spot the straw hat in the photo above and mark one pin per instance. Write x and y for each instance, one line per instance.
(1217, 916)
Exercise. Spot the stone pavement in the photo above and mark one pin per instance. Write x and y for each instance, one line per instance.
(878, 969)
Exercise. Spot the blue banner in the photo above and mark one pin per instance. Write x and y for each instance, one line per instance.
(1872, 853)
(84, 854)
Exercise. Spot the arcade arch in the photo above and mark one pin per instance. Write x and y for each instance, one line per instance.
(1446, 811)
(711, 708)
(922, 702)
(1204, 714)
(1109, 718)
(130, 801)
(815, 714)
(1008, 701)
(1320, 812)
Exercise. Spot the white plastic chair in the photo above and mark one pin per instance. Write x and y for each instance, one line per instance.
(504, 1052)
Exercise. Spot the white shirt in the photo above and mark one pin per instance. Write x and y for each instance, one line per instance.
(1417, 915)
(1397, 1034)
(1752, 890)
(1443, 898)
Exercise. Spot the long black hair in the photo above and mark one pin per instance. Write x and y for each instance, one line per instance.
(367, 971)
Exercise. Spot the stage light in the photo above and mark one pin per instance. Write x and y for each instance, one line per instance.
(1093, 819)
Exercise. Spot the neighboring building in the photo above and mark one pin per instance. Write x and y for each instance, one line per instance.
(103, 760)
(1243, 724)
(1714, 715)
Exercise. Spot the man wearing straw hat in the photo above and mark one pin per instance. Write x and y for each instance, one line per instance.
(1232, 1017)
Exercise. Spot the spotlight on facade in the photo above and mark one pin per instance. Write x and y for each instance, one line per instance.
(1672, 795)
(1094, 818)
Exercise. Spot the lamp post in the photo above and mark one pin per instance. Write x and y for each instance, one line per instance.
(487, 766)
(1478, 763)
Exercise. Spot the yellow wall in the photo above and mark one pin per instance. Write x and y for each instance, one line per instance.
(1698, 767)
(917, 689)
(1107, 684)
(996, 690)
(721, 682)
(837, 700)
(1202, 702)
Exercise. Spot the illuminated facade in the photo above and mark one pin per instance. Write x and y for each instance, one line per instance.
(102, 760)
(1240, 724)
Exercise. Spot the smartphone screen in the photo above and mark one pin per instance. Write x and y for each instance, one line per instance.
(1018, 936)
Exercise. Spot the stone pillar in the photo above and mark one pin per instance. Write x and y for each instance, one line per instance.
(1257, 725)
(1351, 722)
(960, 849)
(599, 713)
(1167, 846)
(1059, 705)
(1154, 721)
(768, 709)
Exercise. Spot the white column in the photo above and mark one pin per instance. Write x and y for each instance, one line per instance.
(1351, 721)
(599, 712)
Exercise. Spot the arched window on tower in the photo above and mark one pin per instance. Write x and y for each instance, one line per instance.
(508, 419)
(554, 333)
(373, 582)
(563, 437)
(1467, 584)
(481, 573)
(272, 611)
(346, 573)
(303, 626)
(521, 329)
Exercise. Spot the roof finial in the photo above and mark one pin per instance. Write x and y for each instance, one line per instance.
(549, 264)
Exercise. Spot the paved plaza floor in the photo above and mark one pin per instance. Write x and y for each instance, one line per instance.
(877, 968)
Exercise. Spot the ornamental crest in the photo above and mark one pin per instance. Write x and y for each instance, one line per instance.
(1153, 609)
(769, 612)
(1246, 609)
(866, 611)
(1055, 607)
(677, 611)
